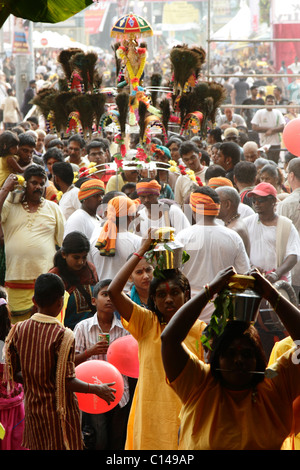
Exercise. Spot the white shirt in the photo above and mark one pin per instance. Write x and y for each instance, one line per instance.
(83, 222)
(211, 249)
(263, 244)
(177, 220)
(264, 118)
(108, 266)
(184, 186)
(69, 202)
(87, 335)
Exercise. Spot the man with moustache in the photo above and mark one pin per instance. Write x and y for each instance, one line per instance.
(32, 229)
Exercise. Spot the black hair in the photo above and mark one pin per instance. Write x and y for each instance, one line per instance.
(34, 170)
(64, 171)
(74, 242)
(77, 138)
(33, 119)
(95, 144)
(232, 331)
(26, 139)
(53, 152)
(216, 133)
(173, 140)
(47, 289)
(187, 147)
(8, 139)
(100, 285)
(231, 150)
(168, 275)
(205, 157)
(245, 172)
(54, 143)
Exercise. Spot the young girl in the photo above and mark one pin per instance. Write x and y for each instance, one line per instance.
(78, 275)
(11, 400)
(8, 159)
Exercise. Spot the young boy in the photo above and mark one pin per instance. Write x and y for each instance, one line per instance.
(40, 353)
(110, 427)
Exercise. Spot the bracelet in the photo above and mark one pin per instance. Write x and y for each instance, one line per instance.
(207, 292)
(86, 354)
(139, 256)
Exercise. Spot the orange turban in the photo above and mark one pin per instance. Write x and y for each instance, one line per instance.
(90, 188)
(203, 204)
(148, 187)
(119, 206)
(219, 181)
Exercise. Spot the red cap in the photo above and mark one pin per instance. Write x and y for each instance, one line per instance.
(263, 189)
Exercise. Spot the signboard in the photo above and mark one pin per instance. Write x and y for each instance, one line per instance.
(20, 43)
(94, 17)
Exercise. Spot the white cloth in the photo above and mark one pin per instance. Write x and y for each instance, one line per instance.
(108, 266)
(244, 210)
(83, 222)
(29, 251)
(177, 220)
(236, 119)
(290, 208)
(69, 202)
(86, 334)
(211, 249)
(271, 119)
(263, 244)
(11, 112)
(184, 186)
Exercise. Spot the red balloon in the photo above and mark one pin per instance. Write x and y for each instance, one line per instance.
(123, 354)
(291, 136)
(98, 372)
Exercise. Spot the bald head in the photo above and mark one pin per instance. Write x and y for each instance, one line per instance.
(250, 150)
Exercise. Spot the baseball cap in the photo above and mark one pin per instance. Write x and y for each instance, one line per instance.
(263, 189)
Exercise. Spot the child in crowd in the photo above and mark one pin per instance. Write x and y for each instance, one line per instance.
(40, 353)
(79, 277)
(109, 428)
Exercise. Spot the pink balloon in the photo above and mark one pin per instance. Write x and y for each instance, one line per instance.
(123, 354)
(291, 136)
(98, 372)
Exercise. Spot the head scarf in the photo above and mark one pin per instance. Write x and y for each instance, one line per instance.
(90, 188)
(219, 181)
(160, 151)
(148, 187)
(203, 204)
(117, 207)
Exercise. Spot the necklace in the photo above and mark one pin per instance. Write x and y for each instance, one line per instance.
(232, 218)
(32, 215)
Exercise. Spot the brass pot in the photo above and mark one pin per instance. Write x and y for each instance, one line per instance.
(244, 300)
(168, 255)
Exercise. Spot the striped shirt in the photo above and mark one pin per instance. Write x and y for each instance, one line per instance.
(35, 347)
(87, 335)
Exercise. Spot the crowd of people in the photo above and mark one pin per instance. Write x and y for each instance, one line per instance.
(75, 232)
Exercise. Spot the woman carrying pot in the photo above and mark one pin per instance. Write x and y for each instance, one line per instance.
(232, 403)
(154, 415)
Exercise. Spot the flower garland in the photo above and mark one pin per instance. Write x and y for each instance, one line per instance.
(174, 168)
(134, 78)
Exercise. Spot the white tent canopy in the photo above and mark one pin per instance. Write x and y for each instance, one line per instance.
(239, 27)
(51, 39)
